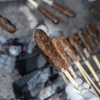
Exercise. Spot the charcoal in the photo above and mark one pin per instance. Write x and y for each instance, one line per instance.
(46, 92)
(1, 98)
(30, 85)
(15, 50)
(50, 93)
(3, 40)
(27, 63)
(12, 47)
(20, 87)
(16, 41)
(51, 89)
(7, 62)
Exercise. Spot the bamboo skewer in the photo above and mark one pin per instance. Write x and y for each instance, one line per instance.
(69, 76)
(78, 48)
(63, 54)
(95, 92)
(45, 12)
(34, 3)
(98, 90)
(91, 86)
(70, 52)
(96, 61)
(92, 32)
(72, 72)
(64, 77)
(61, 9)
(58, 7)
(82, 69)
(92, 71)
(51, 53)
(87, 43)
(82, 72)
(85, 75)
(79, 67)
(87, 78)
(55, 59)
(89, 83)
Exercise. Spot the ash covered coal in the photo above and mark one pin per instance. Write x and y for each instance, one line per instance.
(31, 84)
(2, 98)
(7, 62)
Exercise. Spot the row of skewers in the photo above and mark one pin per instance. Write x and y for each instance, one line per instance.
(57, 51)
(66, 11)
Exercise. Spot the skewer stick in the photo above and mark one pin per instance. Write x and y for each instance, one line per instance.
(60, 8)
(92, 71)
(85, 79)
(34, 3)
(64, 77)
(96, 61)
(90, 84)
(70, 77)
(83, 71)
(67, 47)
(66, 73)
(98, 90)
(95, 91)
(84, 75)
(52, 55)
(45, 12)
(63, 54)
(72, 71)
(79, 67)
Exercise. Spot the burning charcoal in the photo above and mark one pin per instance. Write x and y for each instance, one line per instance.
(31, 84)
